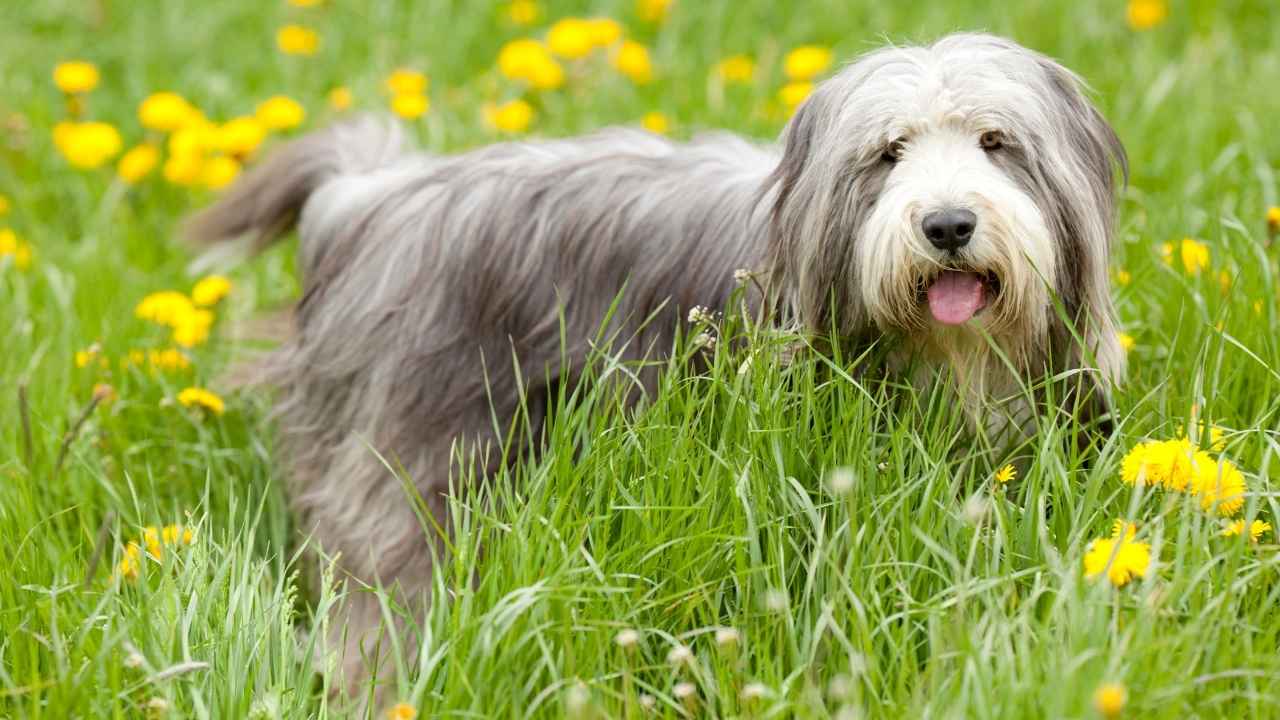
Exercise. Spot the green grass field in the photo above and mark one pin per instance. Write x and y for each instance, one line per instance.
(924, 588)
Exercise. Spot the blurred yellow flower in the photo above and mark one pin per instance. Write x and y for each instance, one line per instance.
(163, 307)
(656, 122)
(1109, 700)
(570, 38)
(530, 61)
(794, 93)
(1121, 557)
(177, 534)
(305, 3)
(184, 169)
(1193, 254)
(524, 12)
(210, 290)
(604, 31)
(196, 137)
(509, 117)
(167, 360)
(806, 62)
(1126, 341)
(653, 11)
(297, 40)
(166, 112)
(193, 329)
(632, 60)
(138, 163)
(241, 136)
(1005, 474)
(736, 69)
(87, 145)
(12, 246)
(402, 711)
(1123, 277)
(404, 81)
(129, 562)
(410, 107)
(195, 397)
(280, 112)
(219, 171)
(340, 98)
(1146, 14)
(1256, 529)
(1273, 220)
(75, 76)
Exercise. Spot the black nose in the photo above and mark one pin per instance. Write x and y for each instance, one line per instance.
(949, 229)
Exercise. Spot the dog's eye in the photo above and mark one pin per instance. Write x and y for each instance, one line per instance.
(893, 152)
(991, 140)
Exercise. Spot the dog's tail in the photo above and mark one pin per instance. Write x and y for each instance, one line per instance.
(266, 202)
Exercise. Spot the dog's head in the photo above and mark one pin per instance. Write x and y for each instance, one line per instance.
(955, 189)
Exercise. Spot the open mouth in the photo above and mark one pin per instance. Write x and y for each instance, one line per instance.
(955, 296)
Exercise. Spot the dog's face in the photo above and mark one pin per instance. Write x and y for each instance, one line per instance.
(960, 188)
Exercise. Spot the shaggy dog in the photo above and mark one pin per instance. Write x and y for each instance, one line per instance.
(954, 202)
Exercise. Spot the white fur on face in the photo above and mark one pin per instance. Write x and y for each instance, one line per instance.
(944, 167)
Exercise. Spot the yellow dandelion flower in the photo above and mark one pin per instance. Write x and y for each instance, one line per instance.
(653, 11)
(166, 112)
(297, 40)
(219, 172)
(570, 38)
(169, 360)
(656, 122)
(410, 107)
(736, 69)
(75, 76)
(1193, 254)
(1123, 277)
(402, 711)
(546, 74)
(530, 61)
(632, 59)
(1109, 700)
(1220, 486)
(12, 246)
(87, 145)
(1146, 14)
(1121, 557)
(185, 169)
(241, 136)
(806, 62)
(1126, 341)
(524, 12)
(1005, 474)
(210, 290)
(794, 93)
(192, 329)
(604, 31)
(138, 163)
(509, 117)
(164, 307)
(129, 562)
(305, 3)
(340, 98)
(84, 357)
(1273, 220)
(1167, 463)
(280, 112)
(404, 81)
(1257, 529)
(195, 138)
(195, 397)
(177, 535)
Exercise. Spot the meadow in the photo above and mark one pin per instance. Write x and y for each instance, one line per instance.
(770, 538)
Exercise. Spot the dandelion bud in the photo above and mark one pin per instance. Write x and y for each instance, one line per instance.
(627, 639)
(680, 655)
(1109, 699)
(840, 480)
(728, 639)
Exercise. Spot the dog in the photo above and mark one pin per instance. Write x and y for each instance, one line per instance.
(954, 201)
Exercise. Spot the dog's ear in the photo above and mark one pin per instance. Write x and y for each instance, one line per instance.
(1080, 169)
(803, 270)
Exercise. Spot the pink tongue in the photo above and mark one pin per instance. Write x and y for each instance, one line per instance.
(955, 296)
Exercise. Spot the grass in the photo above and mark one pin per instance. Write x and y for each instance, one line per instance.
(925, 590)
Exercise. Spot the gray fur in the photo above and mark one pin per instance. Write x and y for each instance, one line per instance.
(431, 283)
